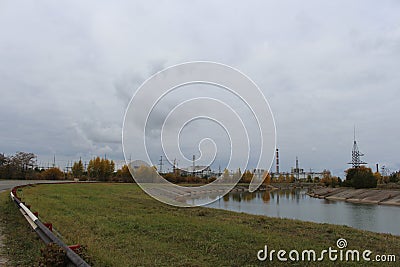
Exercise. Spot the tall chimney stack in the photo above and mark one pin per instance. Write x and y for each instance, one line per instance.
(194, 166)
(277, 161)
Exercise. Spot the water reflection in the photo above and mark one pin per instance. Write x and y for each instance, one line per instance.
(296, 204)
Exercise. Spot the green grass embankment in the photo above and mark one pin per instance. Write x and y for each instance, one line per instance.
(21, 244)
(121, 226)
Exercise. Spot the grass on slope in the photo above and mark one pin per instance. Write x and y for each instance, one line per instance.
(122, 226)
(21, 244)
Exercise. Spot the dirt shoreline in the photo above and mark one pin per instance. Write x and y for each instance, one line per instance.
(363, 196)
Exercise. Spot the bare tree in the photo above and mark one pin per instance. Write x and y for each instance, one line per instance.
(23, 161)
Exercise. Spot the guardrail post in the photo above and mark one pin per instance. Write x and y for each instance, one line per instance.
(75, 247)
(49, 225)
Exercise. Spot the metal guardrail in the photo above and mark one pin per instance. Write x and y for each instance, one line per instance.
(44, 233)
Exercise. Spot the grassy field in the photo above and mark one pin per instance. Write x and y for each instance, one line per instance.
(21, 245)
(122, 226)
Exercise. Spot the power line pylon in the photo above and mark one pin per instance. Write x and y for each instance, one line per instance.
(356, 155)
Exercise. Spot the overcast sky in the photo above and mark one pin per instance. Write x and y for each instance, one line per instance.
(69, 68)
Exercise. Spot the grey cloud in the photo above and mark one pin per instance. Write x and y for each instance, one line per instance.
(68, 70)
(126, 86)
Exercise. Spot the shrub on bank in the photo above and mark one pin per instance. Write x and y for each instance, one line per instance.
(361, 177)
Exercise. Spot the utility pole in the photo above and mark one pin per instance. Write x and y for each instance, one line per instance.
(69, 166)
(277, 161)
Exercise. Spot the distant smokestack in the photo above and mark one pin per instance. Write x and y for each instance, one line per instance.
(277, 160)
(194, 159)
(377, 167)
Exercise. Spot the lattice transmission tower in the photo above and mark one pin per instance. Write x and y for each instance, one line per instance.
(356, 155)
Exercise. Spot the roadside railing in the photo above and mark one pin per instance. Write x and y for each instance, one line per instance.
(43, 230)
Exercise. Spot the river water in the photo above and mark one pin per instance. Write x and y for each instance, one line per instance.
(296, 204)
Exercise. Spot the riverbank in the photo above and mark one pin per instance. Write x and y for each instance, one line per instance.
(122, 226)
(363, 196)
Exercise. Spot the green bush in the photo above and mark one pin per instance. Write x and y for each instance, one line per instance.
(361, 177)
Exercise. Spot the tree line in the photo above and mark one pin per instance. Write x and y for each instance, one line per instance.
(22, 166)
